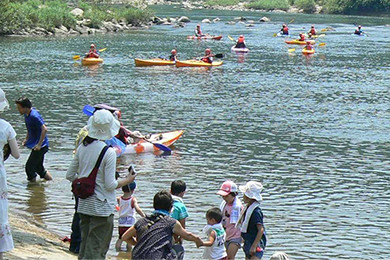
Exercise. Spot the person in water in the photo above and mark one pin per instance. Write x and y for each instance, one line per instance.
(308, 46)
(241, 42)
(301, 37)
(92, 53)
(284, 29)
(173, 56)
(208, 56)
(359, 30)
(312, 31)
(198, 31)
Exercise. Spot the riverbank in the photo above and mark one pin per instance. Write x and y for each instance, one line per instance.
(33, 240)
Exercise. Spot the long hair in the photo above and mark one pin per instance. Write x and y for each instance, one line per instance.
(88, 140)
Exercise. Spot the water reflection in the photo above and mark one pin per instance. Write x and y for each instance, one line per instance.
(37, 200)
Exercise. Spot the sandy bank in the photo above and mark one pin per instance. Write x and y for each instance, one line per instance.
(33, 241)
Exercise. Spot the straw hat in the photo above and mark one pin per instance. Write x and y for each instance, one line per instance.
(252, 190)
(102, 125)
(3, 101)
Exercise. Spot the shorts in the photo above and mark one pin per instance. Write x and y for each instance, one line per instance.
(247, 247)
(237, 241)
(122, 230)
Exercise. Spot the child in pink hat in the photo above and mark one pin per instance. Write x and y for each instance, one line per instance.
(231, 207)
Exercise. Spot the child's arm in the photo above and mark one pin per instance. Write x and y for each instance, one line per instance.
(260, 231)
(180, 231)
(129, 236)
(138, 209)
(212, 237)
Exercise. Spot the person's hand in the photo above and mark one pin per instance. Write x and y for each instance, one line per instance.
(130, 177)
(252, 250)
(24, 142)
(37, 147)
(198, 242)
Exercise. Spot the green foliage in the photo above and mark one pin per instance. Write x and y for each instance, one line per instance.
(308, 6)
(222, 2)
(269, 4)
(357, 6)
(133, 15)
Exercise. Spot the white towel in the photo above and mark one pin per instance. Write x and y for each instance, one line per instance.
(246, 216)
(236, 209)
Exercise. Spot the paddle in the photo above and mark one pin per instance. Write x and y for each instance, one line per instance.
(322, 44)
(291, 50)
(160, 146)
(77, 57)
(231, 38)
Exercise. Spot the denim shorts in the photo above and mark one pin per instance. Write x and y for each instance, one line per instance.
(247, 247)
(237, 241)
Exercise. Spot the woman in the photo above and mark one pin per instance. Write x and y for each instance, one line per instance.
(7, 135)
(97, 211)
(153, 235)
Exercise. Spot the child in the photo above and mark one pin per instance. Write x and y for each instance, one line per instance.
(208, 56)
(231, 207)
(127, 207)
(215, 249)
(251, 221)
(179, 212)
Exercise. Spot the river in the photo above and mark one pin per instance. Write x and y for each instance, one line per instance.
(314, 130)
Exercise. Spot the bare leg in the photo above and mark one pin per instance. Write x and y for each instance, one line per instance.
(1, 256)
(118, 245)
(129, 247)
(48, 176)
(232, 251)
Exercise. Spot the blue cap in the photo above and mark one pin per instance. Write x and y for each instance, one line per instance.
(132, 185)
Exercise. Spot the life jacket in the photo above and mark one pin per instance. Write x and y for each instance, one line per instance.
(172, 57)
(313, 31)
(358, 31)
(198, 32)
(207, 59)
(308, 47)
(302, 38)
(92, 54)
(240, 45)
(285, 30)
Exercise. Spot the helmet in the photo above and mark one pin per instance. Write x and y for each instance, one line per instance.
(173, 51)
(207, 51)
(198, 25)
(241, 36)
(93, 45)
(312, 26)
(308, 42)
(284, 25)
(359, 26)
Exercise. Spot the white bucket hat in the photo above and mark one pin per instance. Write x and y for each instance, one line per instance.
(3, 101)
(252, 190)
(102, 125)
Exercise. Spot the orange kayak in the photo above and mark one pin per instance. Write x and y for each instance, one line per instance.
(153, 62)
(91, 61)
(307, 52)
(300, 42)
(205, 37)
(197, 63)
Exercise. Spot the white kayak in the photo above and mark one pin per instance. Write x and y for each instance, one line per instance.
(239, 50)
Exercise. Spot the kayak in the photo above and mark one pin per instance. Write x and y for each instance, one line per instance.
(205, 37)
(91, 61)
(153, 62)
(307, 52)
(299, 42)
(239, 50)
(143, 146)
(197, 63)
(279, 34)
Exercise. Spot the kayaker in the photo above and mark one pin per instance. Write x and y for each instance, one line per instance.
(93, 53)
(208, 56)
(173, 56)
(308, 46)
(284, 29)
(198, 31)
(359, 30)
(312, 31)
(241, 42)
(301, 37)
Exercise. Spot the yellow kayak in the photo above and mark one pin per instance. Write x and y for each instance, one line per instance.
(197, 63)
(307, 52)
(91, 61)
(153, 62)
(300, 42)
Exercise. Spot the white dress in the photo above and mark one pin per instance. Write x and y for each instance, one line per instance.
(6, 242)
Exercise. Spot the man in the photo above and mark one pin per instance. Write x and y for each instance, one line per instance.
(36, 140)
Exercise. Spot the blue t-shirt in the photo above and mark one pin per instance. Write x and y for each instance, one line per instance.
(179, 209)
(34, 122)
(250, 235)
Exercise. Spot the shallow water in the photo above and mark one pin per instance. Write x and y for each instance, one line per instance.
(314, 130)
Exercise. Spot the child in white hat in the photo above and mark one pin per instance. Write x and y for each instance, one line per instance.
(251, 221)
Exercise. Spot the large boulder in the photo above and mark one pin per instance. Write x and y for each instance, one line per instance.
(109, 26)
(77, 12)
(216, 19)
(206, 21)
(82, 29)
(264, 19)
(183, 19)
(241, 18)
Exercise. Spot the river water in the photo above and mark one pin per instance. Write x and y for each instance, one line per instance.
(314, 130)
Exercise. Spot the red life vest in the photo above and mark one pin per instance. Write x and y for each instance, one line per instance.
(309, 47)
(285, 30)
(313, 31)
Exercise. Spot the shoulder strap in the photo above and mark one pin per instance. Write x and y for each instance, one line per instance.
(97, 165)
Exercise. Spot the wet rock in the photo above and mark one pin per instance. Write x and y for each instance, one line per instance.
(250, 25)
(166, 23)
(216, 19)
(77, 12)
(179, 25)
(58, 31)
(250, 21)
(231, 23)
(241, 18)
(206, 21)
(39, 31)
(109, 26)
(264, 19)
(183, 19)
(81, 29)
(73, 32)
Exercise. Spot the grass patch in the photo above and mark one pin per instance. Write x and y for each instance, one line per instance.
(269, 5)
(221, 2)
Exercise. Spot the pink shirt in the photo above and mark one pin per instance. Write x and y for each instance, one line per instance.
(231, 230)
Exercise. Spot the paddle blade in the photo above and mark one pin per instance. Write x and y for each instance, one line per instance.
(219, 55)
(162, 147)
(291, 50)
(275, 34)
(76, 57)
(292, 20)
(324, 30)
(322, 44)
(231, 38)
(101, 50)
(88, 110)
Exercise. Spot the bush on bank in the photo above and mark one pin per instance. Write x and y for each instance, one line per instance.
(221, 2)
(308, 6)
(269, 5)
(48, 14)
